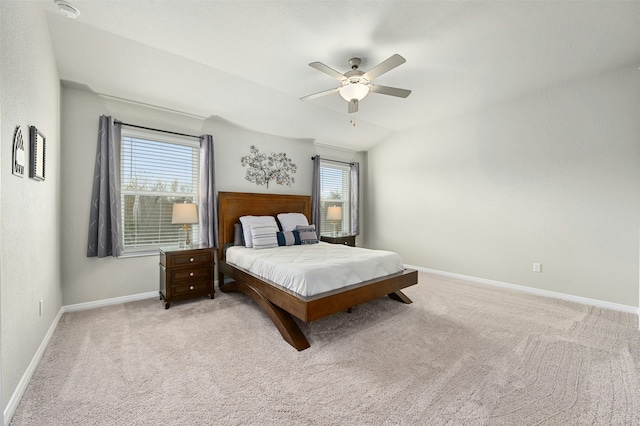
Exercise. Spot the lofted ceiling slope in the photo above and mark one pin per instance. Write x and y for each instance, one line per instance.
(247, 61)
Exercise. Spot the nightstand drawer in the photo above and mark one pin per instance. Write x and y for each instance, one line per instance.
(194, 287)
(196, 259)
(190, 274)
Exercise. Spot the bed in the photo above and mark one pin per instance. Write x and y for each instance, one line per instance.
(280, 303)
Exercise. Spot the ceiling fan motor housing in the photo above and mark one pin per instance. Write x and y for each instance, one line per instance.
(354, 63)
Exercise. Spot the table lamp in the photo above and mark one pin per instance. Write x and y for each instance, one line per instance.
(334, 213)
(185, 214)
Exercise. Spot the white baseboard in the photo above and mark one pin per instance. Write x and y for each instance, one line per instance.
(26, 377)
(536, 291)
(113, 301)
(108, 302)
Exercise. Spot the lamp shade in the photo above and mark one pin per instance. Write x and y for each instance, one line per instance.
(354, 91)
(184, 213)
(334, 213)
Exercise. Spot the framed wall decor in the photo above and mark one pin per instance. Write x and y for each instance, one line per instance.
(38, 150)
(18, 158)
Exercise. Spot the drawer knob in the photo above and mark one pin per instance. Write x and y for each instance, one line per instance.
(190, 274)
(191, 288)
(191, 259)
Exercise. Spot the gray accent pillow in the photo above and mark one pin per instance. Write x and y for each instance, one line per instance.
(237, 235)
(307, 234)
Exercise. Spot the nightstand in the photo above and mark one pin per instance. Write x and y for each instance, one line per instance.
(347, 240)
(186, 273)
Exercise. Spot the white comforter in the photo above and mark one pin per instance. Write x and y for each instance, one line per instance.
(315, 268)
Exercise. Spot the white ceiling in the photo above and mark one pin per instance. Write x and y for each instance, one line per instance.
(247, 61)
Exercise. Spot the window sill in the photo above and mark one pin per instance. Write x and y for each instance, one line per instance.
(145, 253)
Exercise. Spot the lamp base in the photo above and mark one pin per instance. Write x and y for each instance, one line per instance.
(184, 237)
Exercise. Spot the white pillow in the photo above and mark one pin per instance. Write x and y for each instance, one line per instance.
(247, 221)
(264, 236)
(289, 221)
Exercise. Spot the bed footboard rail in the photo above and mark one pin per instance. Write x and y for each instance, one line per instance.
(282, 305)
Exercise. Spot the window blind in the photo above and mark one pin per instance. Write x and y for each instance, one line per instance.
(335, 187)
(156, 172)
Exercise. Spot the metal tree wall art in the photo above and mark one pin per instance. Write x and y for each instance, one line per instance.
(263, 168)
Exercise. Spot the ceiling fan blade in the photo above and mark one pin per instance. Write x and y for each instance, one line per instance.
(392, 91)
(327, 70)
(384, 66)
(353, 106)
(319, 94)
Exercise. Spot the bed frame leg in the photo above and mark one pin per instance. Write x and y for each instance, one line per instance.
(220, 280)
(400, 297)
(282, 319)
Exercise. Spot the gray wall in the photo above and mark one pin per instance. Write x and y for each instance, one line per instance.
(92, 279)
(30, 210)
(553, 177)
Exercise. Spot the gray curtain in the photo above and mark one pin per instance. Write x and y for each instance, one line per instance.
(315, 195)
(208, 212)
(355, 198)
(104, 217)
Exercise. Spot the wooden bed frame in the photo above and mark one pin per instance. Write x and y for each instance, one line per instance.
(278, 302)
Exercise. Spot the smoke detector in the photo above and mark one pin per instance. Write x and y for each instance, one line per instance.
(67, 9)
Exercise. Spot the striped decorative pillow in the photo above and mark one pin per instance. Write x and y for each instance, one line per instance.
(247, 221)
(264, 236)
(288, 238)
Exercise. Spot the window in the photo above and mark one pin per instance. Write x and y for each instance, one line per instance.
(335, 190)
(156, 171)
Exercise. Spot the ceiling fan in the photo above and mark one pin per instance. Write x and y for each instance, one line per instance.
(356, 84)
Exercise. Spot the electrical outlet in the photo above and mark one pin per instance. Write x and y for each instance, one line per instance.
(40, 307)
(537, 267)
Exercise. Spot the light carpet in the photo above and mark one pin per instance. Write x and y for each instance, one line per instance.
(462, 353)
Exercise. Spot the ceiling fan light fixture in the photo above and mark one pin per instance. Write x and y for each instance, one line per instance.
(67, 9)
(354, 91)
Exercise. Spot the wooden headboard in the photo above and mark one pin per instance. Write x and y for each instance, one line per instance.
(233, 205)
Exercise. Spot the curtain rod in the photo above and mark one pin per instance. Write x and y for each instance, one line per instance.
(336, 161)
(155, 130)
